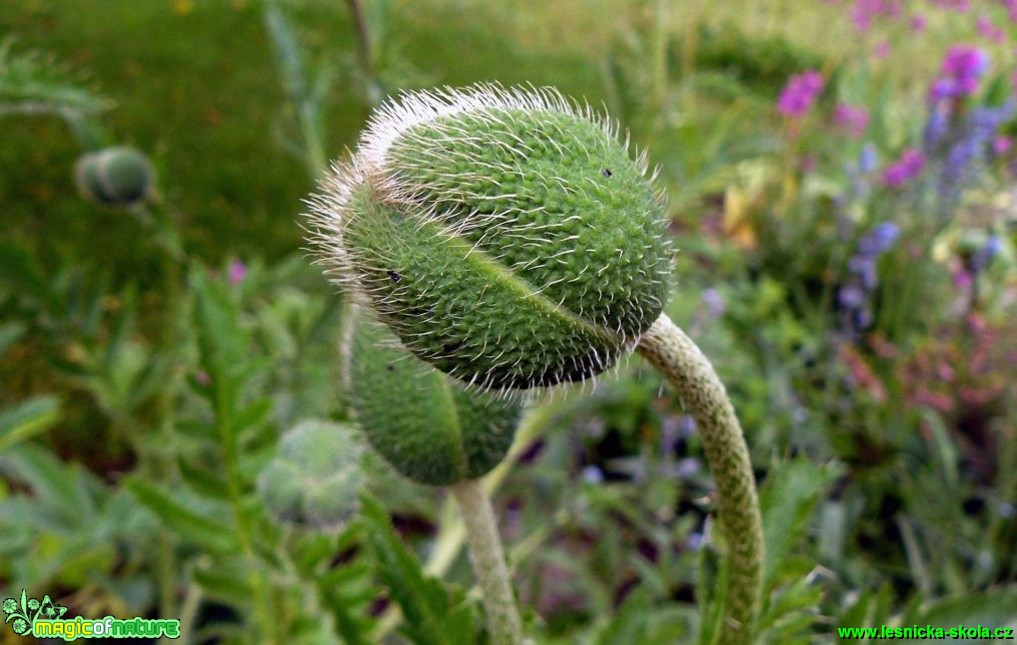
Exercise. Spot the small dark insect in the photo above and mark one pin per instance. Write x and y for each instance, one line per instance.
(450, 348)
(390, 367)
(394, 277)
(606, 172)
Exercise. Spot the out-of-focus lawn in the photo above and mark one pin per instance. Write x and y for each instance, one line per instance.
(195, 84)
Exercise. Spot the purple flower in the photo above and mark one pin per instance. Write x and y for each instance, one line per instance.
(905, 169)
(593, 475)
(854, 294)
(237, 272)
(879, 239)
(935, 128)
(800, 93)
(869, 158)
(984, 256)
(1002, 145)
(714, 303)
(973, 140)
(918, 22)
(963, 67)
(850, 297)
(852, 119)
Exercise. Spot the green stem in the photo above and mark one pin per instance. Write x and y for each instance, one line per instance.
(263, 615)
(667, 347)
(488, 560)
(189, 612)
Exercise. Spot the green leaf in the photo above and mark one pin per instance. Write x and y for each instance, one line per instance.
(787, 499)
(227, 584)
(203, 481)
(20, 272)
(11, 333)
(222, 340)
(214, 531)
(253, 416)
(993, 608)
(27, 419)
(32, 83)
(62, 490)
(434, 615)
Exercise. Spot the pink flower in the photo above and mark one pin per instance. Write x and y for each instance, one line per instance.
(237, 272)
(881, 50)
(1002, 145)
(800, 93)
(865, 11)
(918, 22)
(988, 30)
(905, 169)
(852, 119)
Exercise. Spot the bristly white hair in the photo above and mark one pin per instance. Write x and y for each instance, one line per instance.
(410, 109)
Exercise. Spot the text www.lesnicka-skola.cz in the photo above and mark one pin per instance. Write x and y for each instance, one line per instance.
(927, 632)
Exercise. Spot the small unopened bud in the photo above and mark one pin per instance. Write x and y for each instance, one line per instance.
(430, 428)
(506, 236)
(118, 176)
(315, 477)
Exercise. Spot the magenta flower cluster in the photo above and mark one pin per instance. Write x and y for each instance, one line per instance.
(988, 30)
(851, 119)
(963, 68)
(800, 93)
(865, 11)
(904, 169)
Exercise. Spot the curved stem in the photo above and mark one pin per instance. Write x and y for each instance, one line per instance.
(488, 561)
(667, 347)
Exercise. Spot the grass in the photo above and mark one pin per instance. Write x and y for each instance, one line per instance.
(199, 86)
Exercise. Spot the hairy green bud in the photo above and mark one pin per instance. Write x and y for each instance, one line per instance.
(430, 428)
(506, 236)
(118, 176)
(315, 477)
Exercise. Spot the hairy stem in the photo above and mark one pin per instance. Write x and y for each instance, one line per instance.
(667, 347)
(488, 562)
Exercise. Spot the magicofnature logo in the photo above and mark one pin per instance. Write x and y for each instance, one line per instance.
(30, 617)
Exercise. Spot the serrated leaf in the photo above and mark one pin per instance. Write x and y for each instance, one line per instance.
(225, 584)
(59, 487)
(216, 532)
(788, 498)
(433, 614)
(27, 419)
(221, 340)
(253, 416)
(203, 481)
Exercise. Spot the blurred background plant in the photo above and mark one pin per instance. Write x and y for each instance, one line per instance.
(842, 184)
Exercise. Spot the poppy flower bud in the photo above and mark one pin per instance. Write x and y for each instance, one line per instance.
(507, 237)
(117, 176)
(430, 428)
